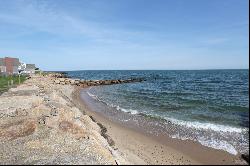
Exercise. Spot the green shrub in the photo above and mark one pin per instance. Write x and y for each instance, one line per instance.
(5, 82)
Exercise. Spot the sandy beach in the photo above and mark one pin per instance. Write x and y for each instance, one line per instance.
(46, 122)
(124, 82)
(139, 147)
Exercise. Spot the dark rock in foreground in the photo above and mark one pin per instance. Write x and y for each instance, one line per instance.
(245, 157)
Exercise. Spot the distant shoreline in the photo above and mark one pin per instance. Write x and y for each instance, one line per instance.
(142, 70)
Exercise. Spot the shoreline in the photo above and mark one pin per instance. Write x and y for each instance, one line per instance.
(149, 149)
(42, 122)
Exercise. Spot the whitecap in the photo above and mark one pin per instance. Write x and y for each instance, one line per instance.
(218, 144)
(117, 107)
(206, 126)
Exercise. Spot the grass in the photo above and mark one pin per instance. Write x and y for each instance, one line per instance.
(5, 82)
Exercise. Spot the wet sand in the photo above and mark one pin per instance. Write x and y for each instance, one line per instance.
(140, 147)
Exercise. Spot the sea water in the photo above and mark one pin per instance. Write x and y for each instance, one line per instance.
(207, 106)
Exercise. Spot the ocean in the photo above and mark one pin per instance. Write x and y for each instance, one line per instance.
(207, 106)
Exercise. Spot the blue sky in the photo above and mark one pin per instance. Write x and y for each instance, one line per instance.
(126, 34)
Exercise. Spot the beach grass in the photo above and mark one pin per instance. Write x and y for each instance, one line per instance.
(7, 82)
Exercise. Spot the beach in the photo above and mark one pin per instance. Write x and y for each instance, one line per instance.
(139, 147)
(132, 82)
(48, 120)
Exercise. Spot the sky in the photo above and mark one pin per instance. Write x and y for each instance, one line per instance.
(126, 34)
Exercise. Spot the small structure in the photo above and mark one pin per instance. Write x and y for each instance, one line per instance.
(9, 66)
(30, 69)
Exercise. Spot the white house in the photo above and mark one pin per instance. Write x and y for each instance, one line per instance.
(27, 68)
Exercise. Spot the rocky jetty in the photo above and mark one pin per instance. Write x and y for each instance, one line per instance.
(40, 123)
(86, 83)
(59, 75)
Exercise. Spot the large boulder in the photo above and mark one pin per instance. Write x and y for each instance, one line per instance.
(107, 82)
(77, 82)
(67, 81)
(57, 81)
(72, 82)
(82, 81)
(61, 79)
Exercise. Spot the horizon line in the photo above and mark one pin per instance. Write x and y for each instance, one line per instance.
(142, 70)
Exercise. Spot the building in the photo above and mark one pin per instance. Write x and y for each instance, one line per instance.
(9, 65)
(2, 66)
(30, 69)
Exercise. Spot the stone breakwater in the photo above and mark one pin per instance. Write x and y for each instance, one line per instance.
(86, 83)
(40, 123)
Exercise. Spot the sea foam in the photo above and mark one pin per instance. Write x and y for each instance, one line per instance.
(201, 126)
(206, 126)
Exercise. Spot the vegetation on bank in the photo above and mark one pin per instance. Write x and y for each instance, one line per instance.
(7, 82)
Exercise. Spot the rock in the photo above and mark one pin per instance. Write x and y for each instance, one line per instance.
(82, 81)
(21, 112)
(84, 85)
(77, 82)
(92, 118)
(46, 98)
(48, 129)
(107, 82)
(61, 79)
(72, 82)
(109, 140)
(103, 129)
(42, 120)
(54, 112)
(67, 81)
(17, 129)
(245, 157)
(57, 81)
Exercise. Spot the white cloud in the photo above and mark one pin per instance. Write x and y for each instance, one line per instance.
(82, 38)
(39, 17)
